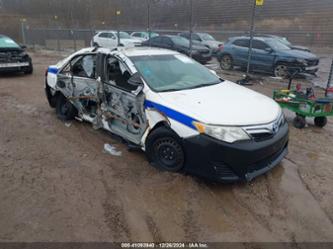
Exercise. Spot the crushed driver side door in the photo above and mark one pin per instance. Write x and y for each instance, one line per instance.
(122, 102)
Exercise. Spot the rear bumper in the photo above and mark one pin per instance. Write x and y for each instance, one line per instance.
(222, 162)
(202, 58)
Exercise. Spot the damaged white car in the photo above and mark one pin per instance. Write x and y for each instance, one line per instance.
(185, 117)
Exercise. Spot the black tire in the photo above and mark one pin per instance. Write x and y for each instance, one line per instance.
(65, 109)
(29, 70)
(164, 150)
(226, 62)
(299, 122)
(50, 98)
(281, 70)
(320, 121)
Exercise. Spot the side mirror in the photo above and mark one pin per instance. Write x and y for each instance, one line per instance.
(135, 80)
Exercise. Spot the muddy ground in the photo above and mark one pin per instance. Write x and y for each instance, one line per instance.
(56, 184)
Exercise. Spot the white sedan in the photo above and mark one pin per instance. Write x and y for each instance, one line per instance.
(184, 116)
(109, 39)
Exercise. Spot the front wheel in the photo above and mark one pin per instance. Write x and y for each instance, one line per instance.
(281, 71)
(65, 109)
(164, 150)
(226, 62)
(320, 121)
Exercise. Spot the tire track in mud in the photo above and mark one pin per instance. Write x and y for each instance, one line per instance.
(153, 229)
(190, 225)
(114, 213)
(235, 209)
(307, 187)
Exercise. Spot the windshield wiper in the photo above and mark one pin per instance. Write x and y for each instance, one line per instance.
(193, 87)
(170, 90)
(203, 85)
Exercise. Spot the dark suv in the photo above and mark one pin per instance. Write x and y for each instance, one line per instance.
(13, 58)
(200, 53)
(268, 55)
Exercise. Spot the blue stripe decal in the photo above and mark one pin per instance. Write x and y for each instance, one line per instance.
(181, 118)
(52, 70)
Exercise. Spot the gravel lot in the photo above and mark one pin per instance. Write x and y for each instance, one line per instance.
(56, 184)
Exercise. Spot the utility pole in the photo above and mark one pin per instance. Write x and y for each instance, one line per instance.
(23, 20)
(191, 26)
(148, 21)
(117, 24)
(251, 36)
(329, 87)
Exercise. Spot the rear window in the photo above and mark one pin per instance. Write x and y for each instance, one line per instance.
(6, 42)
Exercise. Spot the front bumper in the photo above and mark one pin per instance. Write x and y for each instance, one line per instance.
(242, 161)
(14, 66)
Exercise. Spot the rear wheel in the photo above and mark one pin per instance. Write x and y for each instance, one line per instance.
(320, 121)
(281, 70)
(65, 109)
(164, 150)
(299, 122)
(226, 62)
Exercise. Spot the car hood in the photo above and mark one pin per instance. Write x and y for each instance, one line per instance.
(297, 54)
(300, 48)
(213, 44)
(223, 104)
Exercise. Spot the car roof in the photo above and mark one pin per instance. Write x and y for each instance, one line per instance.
(260, 38)
(129, 52)
(140, 51)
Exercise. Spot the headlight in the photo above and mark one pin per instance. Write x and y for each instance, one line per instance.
(282, 119)
(224, 133)
(301, 61)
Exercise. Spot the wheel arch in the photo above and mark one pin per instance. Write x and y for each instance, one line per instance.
(219, 58)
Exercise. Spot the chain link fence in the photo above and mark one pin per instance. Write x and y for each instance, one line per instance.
(304, 22)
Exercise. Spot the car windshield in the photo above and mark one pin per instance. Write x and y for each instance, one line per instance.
(207, 37)
(277, 45)
(6, 42)
(124, 35)
(284, 41)
(165, 73)
(181, 41)
(152, 34)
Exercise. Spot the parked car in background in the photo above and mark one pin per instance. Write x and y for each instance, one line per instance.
(109, 39)
(268, 55)
(176, 110)
(200, 53)
(204, 39)
(13, 57)
(285, 41)
(143, 36)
